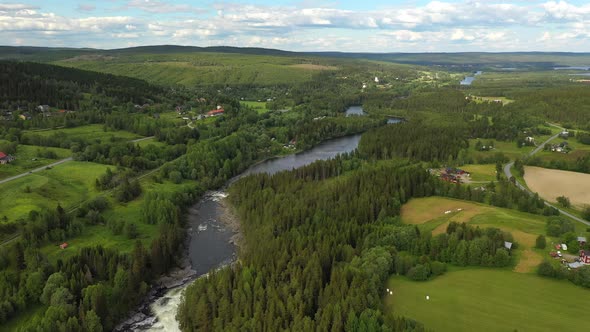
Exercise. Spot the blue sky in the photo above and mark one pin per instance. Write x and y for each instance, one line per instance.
(303, 25)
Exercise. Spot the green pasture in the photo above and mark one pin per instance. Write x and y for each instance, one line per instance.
(490, 300)
(68, 184)
(484, 172)
(259, 106)
(28, 158)
(89, 132)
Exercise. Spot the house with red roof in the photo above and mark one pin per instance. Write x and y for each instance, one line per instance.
(63, 245)
(5, 158)
(216, 112)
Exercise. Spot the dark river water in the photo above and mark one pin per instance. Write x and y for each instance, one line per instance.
(210, 241)
(210, 246)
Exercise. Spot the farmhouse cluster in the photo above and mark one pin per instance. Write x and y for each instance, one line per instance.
(572, 261)
(451, 174)
(21, 113)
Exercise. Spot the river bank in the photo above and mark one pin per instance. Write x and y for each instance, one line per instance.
(214, 238)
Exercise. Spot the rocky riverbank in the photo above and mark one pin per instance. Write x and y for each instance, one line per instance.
(143, 318)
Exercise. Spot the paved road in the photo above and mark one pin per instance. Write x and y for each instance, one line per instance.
(508, 174)
(57, 163)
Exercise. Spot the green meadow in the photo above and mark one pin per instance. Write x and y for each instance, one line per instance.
(490, 300)
(68, 184)
(259, 106)
(88, 132)
(28, 157)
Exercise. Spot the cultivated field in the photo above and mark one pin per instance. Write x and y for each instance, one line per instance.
(429, 214)
(551, 183)
(490, 300)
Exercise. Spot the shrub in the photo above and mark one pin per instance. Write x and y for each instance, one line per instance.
(418, 273)
(541, 242)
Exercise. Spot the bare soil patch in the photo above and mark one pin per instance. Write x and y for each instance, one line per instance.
(551, 183)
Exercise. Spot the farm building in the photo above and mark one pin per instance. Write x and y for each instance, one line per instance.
(5, 158)
(585, 256)
(63, 245)
(216, 112)
(507, 245)
(581, 240)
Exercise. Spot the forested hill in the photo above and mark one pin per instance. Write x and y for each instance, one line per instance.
(539, 60)
(26, 83)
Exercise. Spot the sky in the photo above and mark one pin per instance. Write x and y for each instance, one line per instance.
(302, 25)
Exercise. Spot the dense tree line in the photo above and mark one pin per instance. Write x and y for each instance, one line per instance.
(566, 105)
(579, 164)
(129, 155)
(414, 140)
(334, 244)
(63, 87)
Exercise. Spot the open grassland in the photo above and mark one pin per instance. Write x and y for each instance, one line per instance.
(259, 106)
(151, 141)
(507, 148)
(205, 68)
(551, 183)
(89, 132)
(485, 172)
(429, 214)
(490, 300)
(68, 184)
(28, 158)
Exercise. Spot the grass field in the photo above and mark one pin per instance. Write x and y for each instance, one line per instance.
(508, 148)
(484, 172)
(429, 214)
(89, 132)
(490, 300)
(551, 183)
(27, 158)
(67, 184)
(259, 106)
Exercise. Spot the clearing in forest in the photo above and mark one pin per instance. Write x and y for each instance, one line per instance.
(551, 183)
(432, 214)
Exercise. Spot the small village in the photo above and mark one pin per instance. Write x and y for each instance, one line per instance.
(569, 260)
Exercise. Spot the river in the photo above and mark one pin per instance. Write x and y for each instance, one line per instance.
(211, 244)
(210, 240)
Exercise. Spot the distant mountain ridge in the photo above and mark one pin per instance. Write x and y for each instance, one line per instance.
(463, 59)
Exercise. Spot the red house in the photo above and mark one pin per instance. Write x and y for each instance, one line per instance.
(585, 256)
(63, 245)
(5, 158)
(215, 112)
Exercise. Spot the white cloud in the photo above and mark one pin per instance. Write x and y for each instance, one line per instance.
(442, 25)
(157, 6)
